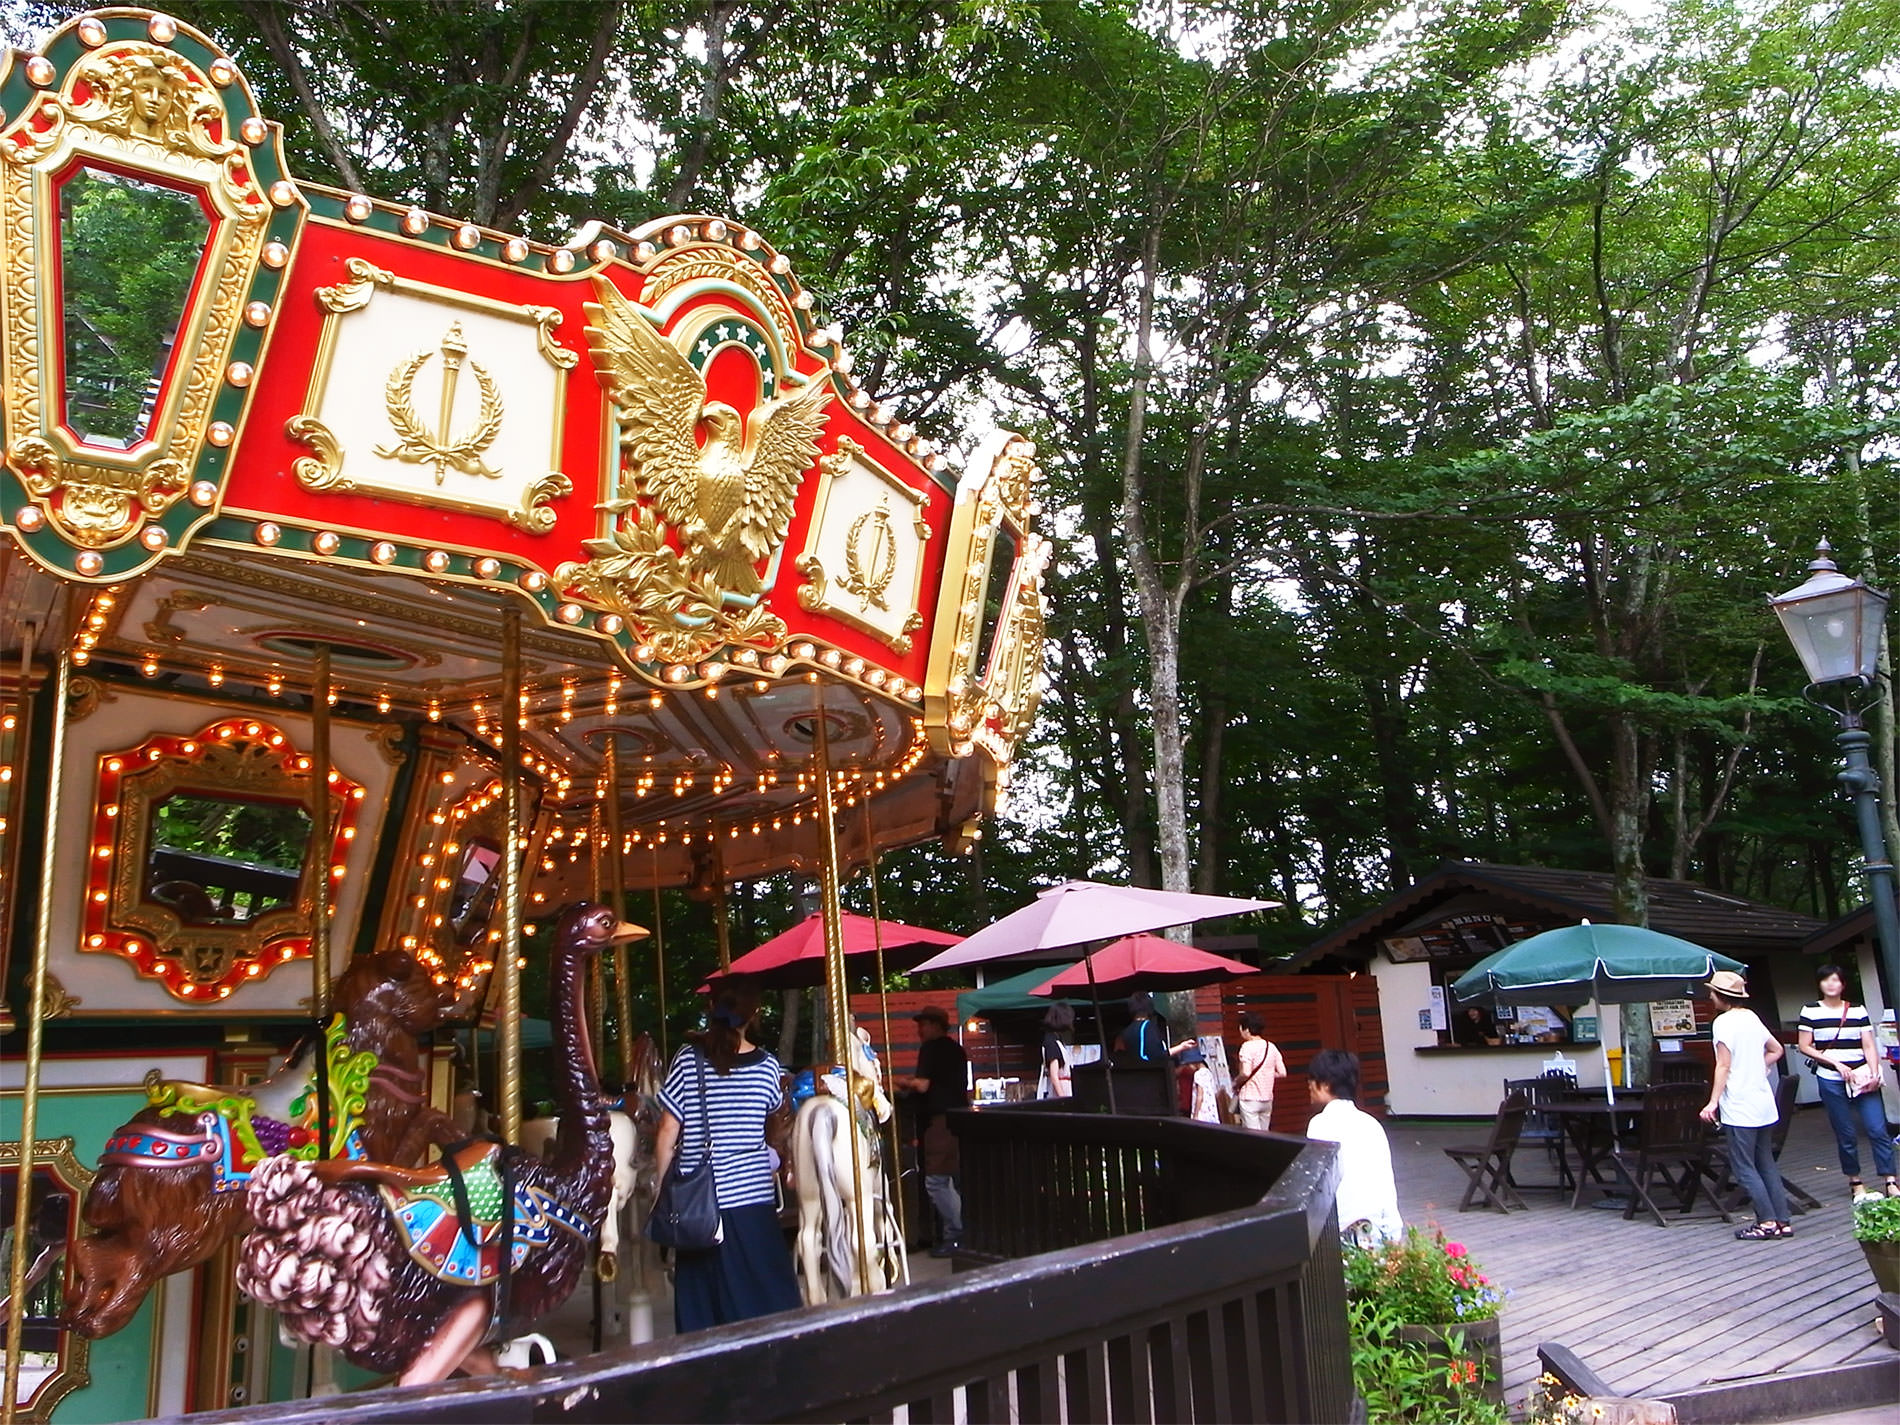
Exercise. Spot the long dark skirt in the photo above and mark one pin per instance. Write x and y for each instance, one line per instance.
(748, 1274)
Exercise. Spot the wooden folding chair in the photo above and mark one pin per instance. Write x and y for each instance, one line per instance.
(1489, 1166)
(1541, 1130)
(1672, 1148)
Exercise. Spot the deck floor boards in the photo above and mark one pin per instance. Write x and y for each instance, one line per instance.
(1657, 1310)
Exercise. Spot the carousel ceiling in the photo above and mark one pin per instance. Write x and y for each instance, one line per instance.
(372, 430)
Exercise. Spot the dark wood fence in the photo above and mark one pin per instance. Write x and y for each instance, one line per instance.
(1149, 1311)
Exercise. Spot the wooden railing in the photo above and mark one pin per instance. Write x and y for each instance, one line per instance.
(1147, 1311)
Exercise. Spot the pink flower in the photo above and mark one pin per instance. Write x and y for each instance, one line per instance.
(1455, 1249)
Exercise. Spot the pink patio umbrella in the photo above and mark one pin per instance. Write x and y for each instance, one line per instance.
(1077, 912)
(795, 958)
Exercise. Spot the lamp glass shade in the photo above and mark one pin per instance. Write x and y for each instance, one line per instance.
(1834, 624)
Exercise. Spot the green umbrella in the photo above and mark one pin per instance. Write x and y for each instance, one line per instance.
(999, 996)
(1612, 964)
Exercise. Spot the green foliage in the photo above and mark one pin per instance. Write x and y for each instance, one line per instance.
(1422, 1280)
(1877, 1219)
(1402, 1381)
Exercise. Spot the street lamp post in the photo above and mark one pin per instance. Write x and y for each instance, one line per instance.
(1835, 624)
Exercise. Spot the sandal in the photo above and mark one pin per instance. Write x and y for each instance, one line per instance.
(1784, 1229)
(1760, 1232)
(1893, 1188)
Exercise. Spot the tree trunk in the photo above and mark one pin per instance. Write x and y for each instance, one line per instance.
(1629, 893)
(1213, 734)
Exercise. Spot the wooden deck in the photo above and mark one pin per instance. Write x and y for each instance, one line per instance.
(1656, 1310)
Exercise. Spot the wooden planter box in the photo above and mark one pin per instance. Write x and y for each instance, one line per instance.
(1883, 1258)
(1483, 1343)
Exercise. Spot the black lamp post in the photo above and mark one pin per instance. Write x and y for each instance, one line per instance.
(1835, 625)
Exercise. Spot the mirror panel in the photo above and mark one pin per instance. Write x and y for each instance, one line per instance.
(204, 856)
(222, 859)
(52, 1360)
(128, 251)
(477, 886)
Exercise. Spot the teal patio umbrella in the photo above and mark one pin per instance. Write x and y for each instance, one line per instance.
(1612, 964)
(999, 996)
(1574, 964)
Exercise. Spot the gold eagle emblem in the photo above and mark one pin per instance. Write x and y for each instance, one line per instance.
(730, 496)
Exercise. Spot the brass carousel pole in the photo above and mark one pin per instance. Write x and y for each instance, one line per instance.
(837, 990)
(35, 1025)
(890, 1052)
(659, 950)
(508, 961)
(320, 892)
(617, 887)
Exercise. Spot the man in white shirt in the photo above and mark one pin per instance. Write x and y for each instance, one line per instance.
(1744, 1096)
(1368, 1198)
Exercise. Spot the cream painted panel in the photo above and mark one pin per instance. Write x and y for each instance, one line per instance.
(399, 351)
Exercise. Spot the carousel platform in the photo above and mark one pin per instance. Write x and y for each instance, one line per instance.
(1655, 1311)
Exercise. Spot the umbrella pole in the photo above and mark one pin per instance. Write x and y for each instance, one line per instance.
(1101, 1033)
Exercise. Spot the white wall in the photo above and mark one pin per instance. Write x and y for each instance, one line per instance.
(1876, 1006)
(1463, 1083)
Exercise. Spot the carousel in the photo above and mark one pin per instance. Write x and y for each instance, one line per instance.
(373, 586)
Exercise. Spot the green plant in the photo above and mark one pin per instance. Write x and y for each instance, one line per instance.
(1877, 1219)
(1407, 1384)
(1422, 1279)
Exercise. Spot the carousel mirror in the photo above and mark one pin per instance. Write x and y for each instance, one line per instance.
(52, 1360)
(205, 854)
(223, 859)
(128, 251)
(477, 885)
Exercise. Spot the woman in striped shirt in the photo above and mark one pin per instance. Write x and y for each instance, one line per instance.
(723, 1085)
(1838, 1038)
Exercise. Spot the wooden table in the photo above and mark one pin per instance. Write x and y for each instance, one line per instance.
(1592, 1125)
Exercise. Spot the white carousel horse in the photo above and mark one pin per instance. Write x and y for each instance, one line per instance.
(844, 1198)
(537, 1136)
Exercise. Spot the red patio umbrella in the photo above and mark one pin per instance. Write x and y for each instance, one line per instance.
(1144, 962)
(796, 958)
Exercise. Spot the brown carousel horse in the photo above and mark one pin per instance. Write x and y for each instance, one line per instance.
(171, 1187)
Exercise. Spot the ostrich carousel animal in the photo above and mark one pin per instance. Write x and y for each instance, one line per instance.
(843, 1196)
(405, 1270)
(171, 1184)
(538, 1135)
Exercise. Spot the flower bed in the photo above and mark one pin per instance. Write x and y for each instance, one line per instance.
(1426, 1344)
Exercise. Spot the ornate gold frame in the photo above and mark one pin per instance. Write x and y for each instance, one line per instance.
(965, 709)
(201, 140)
(323, 468)
(58, 1157)
(816, 595)
(200, 964)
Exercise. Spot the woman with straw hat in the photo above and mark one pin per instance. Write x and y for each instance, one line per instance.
(1744, 1096)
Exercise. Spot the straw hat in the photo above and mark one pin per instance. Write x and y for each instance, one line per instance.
(1728, 984)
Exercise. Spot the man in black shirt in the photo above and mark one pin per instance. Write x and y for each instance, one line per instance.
(941, 1080)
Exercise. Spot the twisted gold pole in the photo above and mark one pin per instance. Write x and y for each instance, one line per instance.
(508, 962)
(884, 1010)
(617, 886)
(837, 987)
(35, 1030)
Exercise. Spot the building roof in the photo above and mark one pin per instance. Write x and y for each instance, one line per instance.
(1856, 925)
(1713, 919)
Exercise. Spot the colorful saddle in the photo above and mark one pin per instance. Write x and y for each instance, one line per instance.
(461, 1242)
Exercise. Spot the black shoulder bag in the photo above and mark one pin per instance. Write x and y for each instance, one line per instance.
(685, 1215)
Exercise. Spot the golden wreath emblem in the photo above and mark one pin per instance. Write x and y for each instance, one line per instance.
(439, 449)
(870, 556)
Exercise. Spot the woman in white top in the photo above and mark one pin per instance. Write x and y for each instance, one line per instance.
(1744, 1096)
(1838, 1038)
(1368, 1197)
